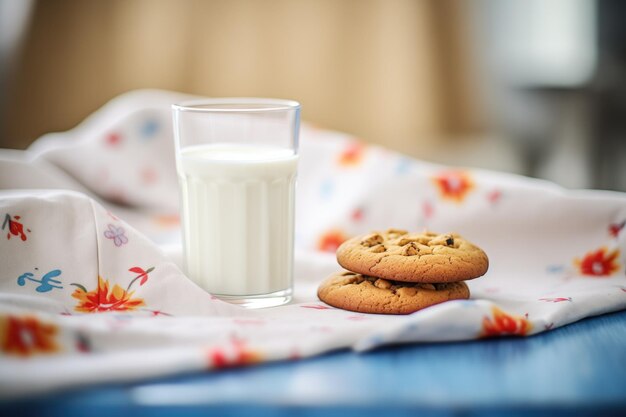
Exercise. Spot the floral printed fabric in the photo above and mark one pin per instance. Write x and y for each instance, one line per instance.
(90, 245)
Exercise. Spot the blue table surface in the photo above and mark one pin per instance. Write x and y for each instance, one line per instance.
(579, 369)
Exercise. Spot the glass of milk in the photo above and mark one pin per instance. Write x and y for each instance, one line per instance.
(236, 160)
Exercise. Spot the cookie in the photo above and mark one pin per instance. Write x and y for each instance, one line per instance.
(365, 294)
(413, 257)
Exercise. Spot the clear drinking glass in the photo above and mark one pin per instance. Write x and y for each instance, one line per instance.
(236, 160)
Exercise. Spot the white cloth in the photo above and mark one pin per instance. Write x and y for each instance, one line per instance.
(101, 201)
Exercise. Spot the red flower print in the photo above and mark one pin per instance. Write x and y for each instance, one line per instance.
(158, 313)
(453, 185)
(352, 155)
(615, 228)
(82, 343)
(330, 241)
(235, 354)
(112, 139)
(598, 263)
(295, 354)
(427, 209)
(13, 227)
(356, 318)
(556, 299)
(105, 298)
(148, 175)
(26, 336)
(503, 324)
(357, 214)
(494, 196)
(318, 307)
(142, 274)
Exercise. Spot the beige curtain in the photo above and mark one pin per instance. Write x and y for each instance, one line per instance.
(394, 72)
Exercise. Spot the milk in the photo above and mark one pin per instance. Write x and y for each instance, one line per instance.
(238, 217)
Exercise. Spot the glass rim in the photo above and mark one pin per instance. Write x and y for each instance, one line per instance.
(236, 105)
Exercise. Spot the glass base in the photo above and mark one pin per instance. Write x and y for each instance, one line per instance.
(274, 299)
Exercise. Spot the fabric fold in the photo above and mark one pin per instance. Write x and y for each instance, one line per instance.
(88, 293)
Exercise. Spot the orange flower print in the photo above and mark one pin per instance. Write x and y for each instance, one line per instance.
(598, 263)
(454, 185)
(330, 241)
(503, 324)
(105, 298)
(26, 336)
(352, 155)
(167, 221)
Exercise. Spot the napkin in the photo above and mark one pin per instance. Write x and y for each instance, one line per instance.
(91, 289)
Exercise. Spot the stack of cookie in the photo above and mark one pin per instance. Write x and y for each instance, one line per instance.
(397, 272)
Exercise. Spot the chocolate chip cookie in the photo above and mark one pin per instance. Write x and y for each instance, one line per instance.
(413, 257)
(366, 294)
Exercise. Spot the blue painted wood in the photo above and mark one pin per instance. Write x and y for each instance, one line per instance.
(576, 370)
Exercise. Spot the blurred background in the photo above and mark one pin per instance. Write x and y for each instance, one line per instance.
(528, 86)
